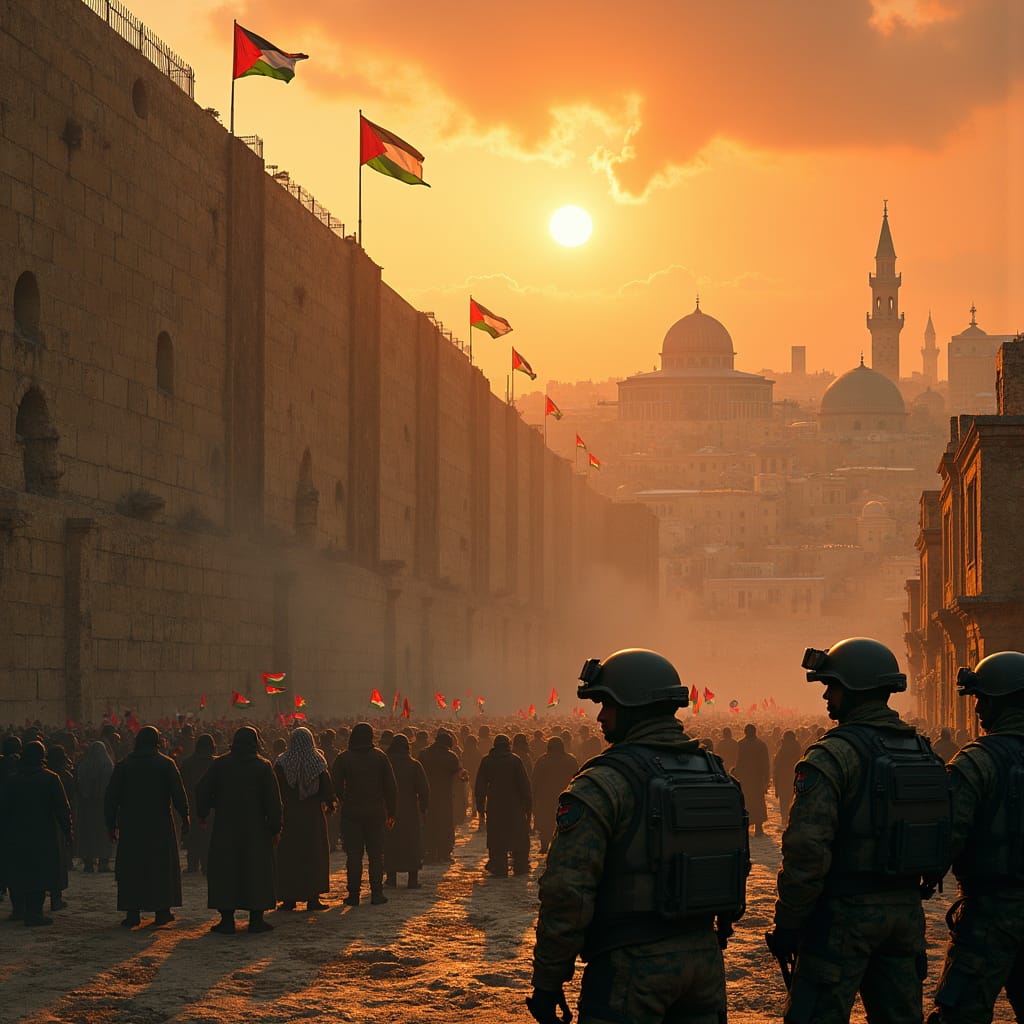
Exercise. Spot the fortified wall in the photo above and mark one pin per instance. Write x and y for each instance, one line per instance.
(228, 447)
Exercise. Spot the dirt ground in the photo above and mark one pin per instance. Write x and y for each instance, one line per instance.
(457, 949)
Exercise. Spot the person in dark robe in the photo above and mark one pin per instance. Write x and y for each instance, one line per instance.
(329, 748)
(753, 772)
(521, 748)
(193, 768)
(471, 762)
(504, 800)
(91, 780)
(144, 791)
(402, 846)
(368, 794)
(34, 812)
(783, 771)
(589, 745)
(242, 788)
(551, 774)
(307, 795)
(58, 763)
(443, 768)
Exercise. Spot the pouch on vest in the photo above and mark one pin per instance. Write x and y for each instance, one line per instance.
(900, 822)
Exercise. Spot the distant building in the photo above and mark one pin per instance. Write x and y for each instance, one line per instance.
(972, 369)
(930, 355)
(885, 321)
(862, 401)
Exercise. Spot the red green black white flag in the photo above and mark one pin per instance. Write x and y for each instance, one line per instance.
(550, 409)
(483, 319)
(387, 154)
(255, 56)
(595, 462)
(376, 699)
(520, 364)
(580, 443)
(271, 681)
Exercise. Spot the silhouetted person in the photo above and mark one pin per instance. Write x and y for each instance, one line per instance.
(307, 795)
(727, 749)
(368, 794)
(753, 771)
(521, 748)
(242, 788)
(58, 763)
(91, 779)
(944, 746)
(443, 768)
(403, 850)
(144, 788)
(783, 767)
(504, 800)
(551, 774)
(193, 768)
(33, 807)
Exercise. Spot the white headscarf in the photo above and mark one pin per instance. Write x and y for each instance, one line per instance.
(302, 763)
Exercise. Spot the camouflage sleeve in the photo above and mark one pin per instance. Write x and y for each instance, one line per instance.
(807, 841)
(585, 823)
(972, 774)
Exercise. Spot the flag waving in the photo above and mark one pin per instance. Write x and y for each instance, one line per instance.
(238, 700)
(580, 443)
(387, 154)
(595, 462)
(299, 702)
(271, 681)
(376, 699)
(520, 364)
(483, 319)
(255, 56)
(441, 703)
(550, 409)
(553, 699)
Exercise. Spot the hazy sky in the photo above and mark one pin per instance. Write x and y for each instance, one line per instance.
(737, 148)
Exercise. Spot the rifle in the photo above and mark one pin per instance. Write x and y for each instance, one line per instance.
(786, 959)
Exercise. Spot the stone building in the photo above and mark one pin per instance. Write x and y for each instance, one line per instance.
(969, 599)
(885, 321)
(972, 366)
(228, 447)
(862, 401)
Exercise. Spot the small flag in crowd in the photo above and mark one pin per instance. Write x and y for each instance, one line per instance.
(406, 709)
(480, 705)
(376, 699)
(394, 703)
(272, 681)
(708, 696)
(532, 713)
(255, 56)
(580, 443)
(550, 409)
(441, 702)
(202, 702)
(483, 319)
(300, 702)
(553, 699)
(520, 364)
(456, 705)
(595, 462)
(238, 700)
(298, 716)
(386, 153)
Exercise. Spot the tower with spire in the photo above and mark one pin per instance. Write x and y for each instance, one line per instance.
(885, 321)
(930, 354)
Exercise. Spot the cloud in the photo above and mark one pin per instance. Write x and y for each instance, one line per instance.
(640, 90)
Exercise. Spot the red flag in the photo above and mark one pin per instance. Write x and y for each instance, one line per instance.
(254, 55)
(483, 319)
(456, 705)
(202, 702)
(406, 710)
(239, 700)
(441, 703)
(550, 409)
(271, 681)
(520, 364)
(553, 699)
(580, 443)
(394, 703)
(595, 462)
(480, 705)
(282, 720)
(298, 716)
(532, 712)
(376, 699)
(708, 696)
(300, 702)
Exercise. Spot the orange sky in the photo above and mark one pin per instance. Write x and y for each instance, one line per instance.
(733, 148)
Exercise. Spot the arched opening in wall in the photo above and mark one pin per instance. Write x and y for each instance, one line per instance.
(26, 307)
(164, 363)
(140, 101)
(307, 500)
(38, 438)
(892, 303)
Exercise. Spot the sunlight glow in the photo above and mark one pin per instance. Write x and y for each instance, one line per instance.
(571, 226)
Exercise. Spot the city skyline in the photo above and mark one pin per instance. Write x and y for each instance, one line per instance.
(774, 202)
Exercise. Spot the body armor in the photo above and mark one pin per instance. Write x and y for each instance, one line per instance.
(895, 828)
(994, 855)
(685, 856)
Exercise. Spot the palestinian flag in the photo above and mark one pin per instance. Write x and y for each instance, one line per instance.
(271, 680)
(386, 153)
(238, 700)
(483, 319)
(255, 56)
(480, 705)
(300, 702)
(457, 705)
(550, 409)
(695, 699)
(708, 696)
(406, 709)
(441, 703)
(580, 443)
(553, 699)
(532, 713)
(595, 462)
(377, 700)
(519, 363)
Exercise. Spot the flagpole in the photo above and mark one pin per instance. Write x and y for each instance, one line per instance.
(233, 77)
(360, 235)
(471, 343)
(545, 421)
(506, 388)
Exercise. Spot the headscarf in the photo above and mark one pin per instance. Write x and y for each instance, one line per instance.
(246, 742)
(302, 763)
(94, 771)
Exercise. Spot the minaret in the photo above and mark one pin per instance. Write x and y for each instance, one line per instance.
(885, 321)
(930, 354)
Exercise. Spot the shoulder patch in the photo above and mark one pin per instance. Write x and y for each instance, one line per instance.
(807, 777)
(569, 813)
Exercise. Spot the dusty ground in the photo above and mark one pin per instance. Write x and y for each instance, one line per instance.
(457, 949)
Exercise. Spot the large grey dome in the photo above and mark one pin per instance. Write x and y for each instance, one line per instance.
(863, 392)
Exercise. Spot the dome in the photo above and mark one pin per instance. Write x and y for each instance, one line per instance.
(874, 510)
(862, 391)
(697, 334)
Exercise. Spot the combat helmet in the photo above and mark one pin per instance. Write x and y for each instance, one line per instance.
(998, 675)
(633, 677)
(857, 663)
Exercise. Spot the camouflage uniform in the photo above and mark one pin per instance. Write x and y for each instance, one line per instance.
(986, 925)
(678, 979)
(871, 942)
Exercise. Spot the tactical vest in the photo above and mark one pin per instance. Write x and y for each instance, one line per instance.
(895, 828)
(994, 854)
(685, 855)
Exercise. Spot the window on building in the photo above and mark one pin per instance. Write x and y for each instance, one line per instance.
(164, 363)
(38, 439)
(26, 307)
(971, 523)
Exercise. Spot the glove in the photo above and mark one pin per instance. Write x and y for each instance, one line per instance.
(785, 942)
(543, 1005)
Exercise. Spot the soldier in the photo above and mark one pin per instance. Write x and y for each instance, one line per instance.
(986, 924)
(650, 946)
(850, 888)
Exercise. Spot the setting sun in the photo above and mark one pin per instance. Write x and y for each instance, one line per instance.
(571, 226)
